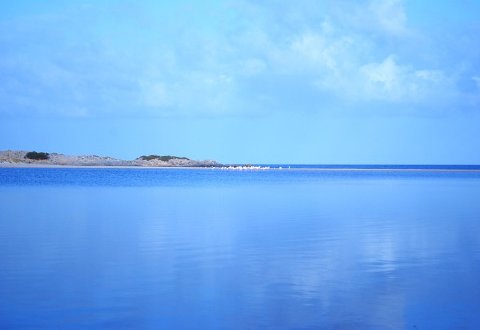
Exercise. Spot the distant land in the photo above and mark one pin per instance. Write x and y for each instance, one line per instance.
(19, 158)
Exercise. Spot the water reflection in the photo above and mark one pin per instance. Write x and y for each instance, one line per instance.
(327, 253)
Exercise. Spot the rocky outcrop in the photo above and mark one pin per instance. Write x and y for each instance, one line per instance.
(21, 158)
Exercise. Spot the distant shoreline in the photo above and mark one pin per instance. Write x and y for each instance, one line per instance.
(33, 159)
(324, 168)
(22, 158)
(27, 165)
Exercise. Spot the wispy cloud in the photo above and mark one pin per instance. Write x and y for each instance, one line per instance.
(228, 59)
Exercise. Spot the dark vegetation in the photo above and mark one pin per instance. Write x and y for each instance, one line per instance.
(162, 158)
(37, 155)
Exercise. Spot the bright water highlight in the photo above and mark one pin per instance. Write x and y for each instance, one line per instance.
(210, 249)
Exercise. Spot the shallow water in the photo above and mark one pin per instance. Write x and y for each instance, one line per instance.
(196, 249)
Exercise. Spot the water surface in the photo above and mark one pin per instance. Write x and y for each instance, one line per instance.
(196, 249)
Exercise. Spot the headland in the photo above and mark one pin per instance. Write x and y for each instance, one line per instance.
(21, 158)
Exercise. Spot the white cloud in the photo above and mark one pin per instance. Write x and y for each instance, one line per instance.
(195, 93)
(390, 16)
(349, 51)
(390, 81)
(383, 80)
(340, 64)
(341, 56)
(320, 51)
(383, 19)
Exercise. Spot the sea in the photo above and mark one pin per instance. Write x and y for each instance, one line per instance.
(295, 247)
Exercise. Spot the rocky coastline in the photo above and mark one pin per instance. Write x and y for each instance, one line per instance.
(20, 158)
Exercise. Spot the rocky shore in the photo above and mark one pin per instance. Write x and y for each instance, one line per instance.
(19, 158)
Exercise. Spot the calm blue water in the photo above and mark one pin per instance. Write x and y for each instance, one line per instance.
(377, 167)
(211, 249)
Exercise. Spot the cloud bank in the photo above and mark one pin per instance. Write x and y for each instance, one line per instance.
(237, 58)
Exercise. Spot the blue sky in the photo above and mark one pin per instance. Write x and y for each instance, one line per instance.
(378, 81)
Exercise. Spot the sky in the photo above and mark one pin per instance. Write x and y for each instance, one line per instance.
(244, 81)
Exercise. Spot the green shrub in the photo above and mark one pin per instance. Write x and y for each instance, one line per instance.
(37, 155)
(162, 158)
